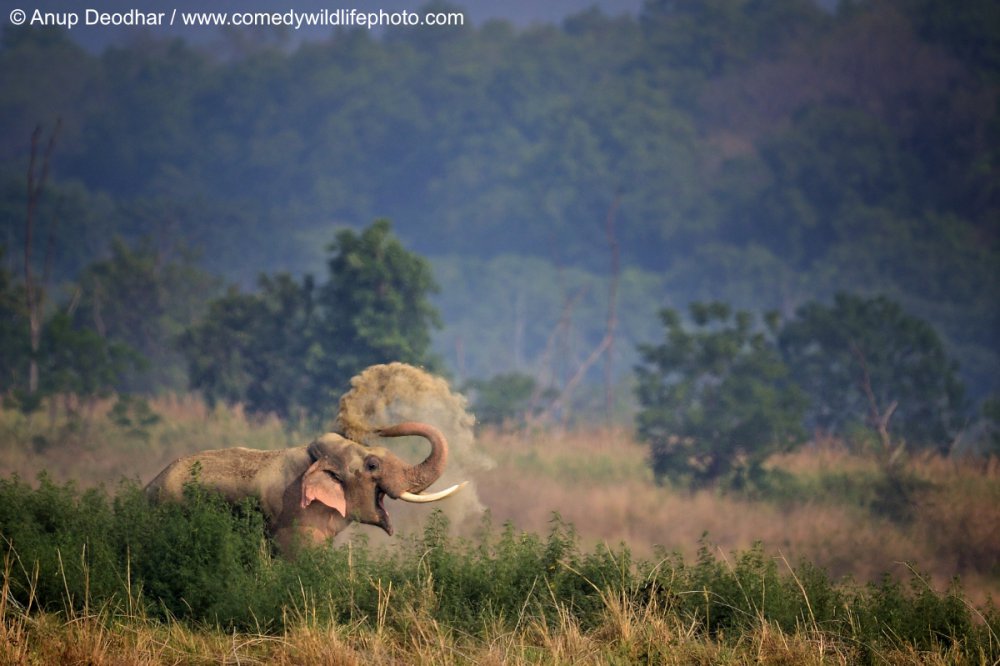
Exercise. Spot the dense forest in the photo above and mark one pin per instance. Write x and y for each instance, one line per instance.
(765, 154)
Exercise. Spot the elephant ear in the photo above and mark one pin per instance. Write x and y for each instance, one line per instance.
(319, 484)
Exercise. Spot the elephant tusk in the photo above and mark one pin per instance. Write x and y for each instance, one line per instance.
(432, 497)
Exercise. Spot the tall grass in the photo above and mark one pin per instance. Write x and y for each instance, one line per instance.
(99, 576)
(826, 504)
(86, 562)
(103, 445)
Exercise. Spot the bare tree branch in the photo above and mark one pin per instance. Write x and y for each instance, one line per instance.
(607, 342)
(34, 293)
(547, 373)
(612, 321)
(878, 419)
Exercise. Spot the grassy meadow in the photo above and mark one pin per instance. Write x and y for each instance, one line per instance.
(570, 553)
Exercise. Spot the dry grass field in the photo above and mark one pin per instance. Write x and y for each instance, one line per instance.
(598, 480)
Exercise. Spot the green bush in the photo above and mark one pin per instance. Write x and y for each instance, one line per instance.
(204, 561)
(716, 401)
(60, 537)
(891, 495)
(859, 350)
(507, 399)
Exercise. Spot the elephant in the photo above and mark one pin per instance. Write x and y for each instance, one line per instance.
(310, 493)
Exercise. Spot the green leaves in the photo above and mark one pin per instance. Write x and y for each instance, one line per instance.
(375, 306)
(835, 351)
(203, 562)
(506, 399)
(77, 360)
(293, 346)
(715, 401)
(142, 297)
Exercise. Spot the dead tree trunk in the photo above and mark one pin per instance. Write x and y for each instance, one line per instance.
(890, 453)
(606, 344)
(612, 322)
(35, 293)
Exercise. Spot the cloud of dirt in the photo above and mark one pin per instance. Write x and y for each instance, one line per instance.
(383, 395)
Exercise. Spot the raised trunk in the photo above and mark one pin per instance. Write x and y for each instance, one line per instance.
(419, 477)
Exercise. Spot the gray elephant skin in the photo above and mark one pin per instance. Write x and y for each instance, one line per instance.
(308, 494)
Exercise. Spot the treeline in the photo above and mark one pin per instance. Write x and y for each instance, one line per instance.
(716, 397)
(141, 322)
(764, 154)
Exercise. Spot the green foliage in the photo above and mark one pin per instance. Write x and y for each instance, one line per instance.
(715, 37)
(255, 349)
(72, 360)
(374, 308)
(929, 619)
(213, 553)
(834, 166)
(716, 401)
(833, 351)
(506, 399)
(14, 347)
(969, 30)
(991, 417)
(891, 493)
(291, 347)
(72, 223)
(120, 321)
(761, 153)
(79, 361)
(143, 298)
(206, 562)
(133, 415)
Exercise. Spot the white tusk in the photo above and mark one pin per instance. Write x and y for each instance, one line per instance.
(432, 497)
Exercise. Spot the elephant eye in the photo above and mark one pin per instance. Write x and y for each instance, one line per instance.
(371, 465)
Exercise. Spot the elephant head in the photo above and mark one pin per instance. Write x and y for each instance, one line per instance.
(354, 479)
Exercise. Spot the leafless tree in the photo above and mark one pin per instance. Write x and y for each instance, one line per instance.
(34, 292)
(890, 453)
(606, 346)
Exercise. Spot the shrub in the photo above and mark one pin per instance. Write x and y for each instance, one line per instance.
(716, 401)
(206, 562)
(506, 399)
(838, 352)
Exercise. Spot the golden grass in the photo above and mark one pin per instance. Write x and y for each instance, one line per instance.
(602, 485)
(597, 479)
(92, 450)
(631, 633)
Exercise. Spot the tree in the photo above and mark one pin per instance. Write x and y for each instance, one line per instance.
(292, 347)
(374, 307)
(253, 348)
(69, 358)
(825, 175)
(716, 401)
(144, 297)
(863, 354)
(14, 349)
(506, 399)
(35, 293)
(990, 411)
(77, 361)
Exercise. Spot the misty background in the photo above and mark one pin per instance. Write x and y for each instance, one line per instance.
(765, 154)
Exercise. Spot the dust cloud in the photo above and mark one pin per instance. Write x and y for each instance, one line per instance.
(383, 395)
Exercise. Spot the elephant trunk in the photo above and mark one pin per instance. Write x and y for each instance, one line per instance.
(419, 477)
